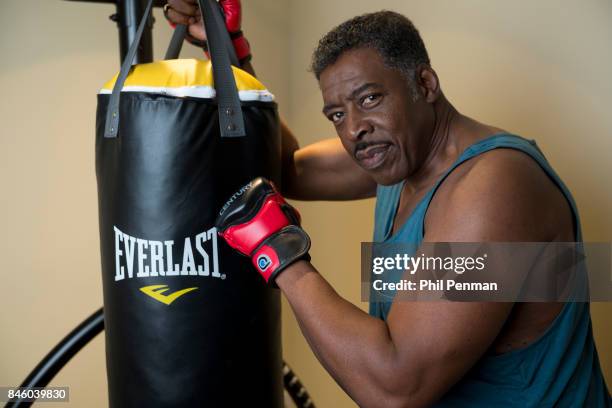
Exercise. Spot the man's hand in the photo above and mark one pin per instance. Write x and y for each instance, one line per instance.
(187, 12)
(259, 223)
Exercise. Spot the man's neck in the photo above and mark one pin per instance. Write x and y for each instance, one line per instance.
(441, 148)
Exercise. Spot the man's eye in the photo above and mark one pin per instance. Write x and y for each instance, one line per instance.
(336, 117)
(370, 100)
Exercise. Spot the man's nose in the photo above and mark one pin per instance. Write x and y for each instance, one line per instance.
(358, 127)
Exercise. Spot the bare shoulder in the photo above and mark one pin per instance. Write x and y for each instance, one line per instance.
(500, 195)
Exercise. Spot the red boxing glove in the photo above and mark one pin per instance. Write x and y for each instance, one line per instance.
(232, 9)
(259, 223)
(233, 14)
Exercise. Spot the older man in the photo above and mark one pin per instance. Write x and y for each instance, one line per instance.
(438, 176)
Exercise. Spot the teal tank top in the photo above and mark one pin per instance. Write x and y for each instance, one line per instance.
(561, 368)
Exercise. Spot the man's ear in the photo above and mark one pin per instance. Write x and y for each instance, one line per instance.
(427, 83)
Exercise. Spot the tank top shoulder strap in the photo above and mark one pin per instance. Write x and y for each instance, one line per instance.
(508, 141)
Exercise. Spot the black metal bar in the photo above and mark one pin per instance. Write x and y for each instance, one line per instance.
(61, 354)
(129, 13)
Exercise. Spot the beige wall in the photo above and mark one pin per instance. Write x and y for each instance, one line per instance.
(540, 69)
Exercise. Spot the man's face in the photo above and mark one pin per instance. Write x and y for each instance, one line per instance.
(371, 106)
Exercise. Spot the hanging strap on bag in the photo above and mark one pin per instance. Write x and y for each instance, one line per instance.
(231, 121)
(176, 42)
(180, 31)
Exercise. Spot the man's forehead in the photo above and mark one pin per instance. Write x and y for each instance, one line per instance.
(340, 80)
(354, 61)
(353, 69)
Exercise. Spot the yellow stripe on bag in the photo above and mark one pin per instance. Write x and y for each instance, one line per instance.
(186, 77)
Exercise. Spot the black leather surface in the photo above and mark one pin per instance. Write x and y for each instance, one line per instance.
(165, 177)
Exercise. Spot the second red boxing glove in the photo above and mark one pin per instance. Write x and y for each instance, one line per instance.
(232, 12)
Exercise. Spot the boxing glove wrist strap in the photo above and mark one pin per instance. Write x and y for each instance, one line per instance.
(280, 250)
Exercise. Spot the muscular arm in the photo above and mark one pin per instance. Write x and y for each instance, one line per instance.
(410, 360)
(322, 171)
(423, 348)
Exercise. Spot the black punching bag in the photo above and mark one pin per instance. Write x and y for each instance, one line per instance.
(188, 322)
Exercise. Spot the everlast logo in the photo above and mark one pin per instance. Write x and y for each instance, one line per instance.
(142, 258)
